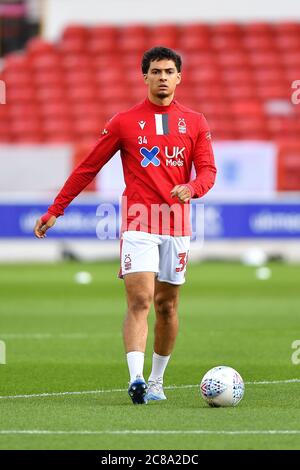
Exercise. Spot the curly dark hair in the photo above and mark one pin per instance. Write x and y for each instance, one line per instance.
(160, 53)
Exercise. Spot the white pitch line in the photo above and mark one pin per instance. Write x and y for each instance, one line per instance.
(7, 336)
(170, 387)
(152, 432)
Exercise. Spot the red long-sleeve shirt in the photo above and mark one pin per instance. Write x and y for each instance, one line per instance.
(158, 145)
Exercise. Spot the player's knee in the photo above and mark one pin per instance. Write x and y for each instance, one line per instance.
(140, 302)
(165, 307)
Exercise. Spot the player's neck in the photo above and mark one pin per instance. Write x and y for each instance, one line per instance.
(161, 101)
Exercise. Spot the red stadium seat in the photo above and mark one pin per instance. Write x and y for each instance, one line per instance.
(18, 111)
(14, 78)
(237, 76)
(264, 58)
(195, 29)
(28, 130)
(51, 94)
(282, 126)
(270, 92)
(232, 59)
(50, 78)
(257, 28)
(85, 93)
(37, 46)
(164, 35)
(48, 61)
(260, 134)
(288, 42)
(56, 125)
(114, 93)
(226, 43)
(76, 61)
(75, 31)
(259, 43)
(250, 124)
(58, 110)
(20, 94)
(111, 108)
(208, 58)
(133, 38)
(287, 27)
(239, 92)
(109, 76)
(195, 39)
(134, 31)
(246, 107)
(104, 31)
(17, 63)
(73, 46)
(292, 73)
(131, 61)
(203, 74)
(86, 126)
(213, 91)
(215, 110)
(101, 45)
(229, 29)
(79, 78)
(268, 75)
(87, 110)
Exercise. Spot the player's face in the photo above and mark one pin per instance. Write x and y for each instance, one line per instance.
(162, 78)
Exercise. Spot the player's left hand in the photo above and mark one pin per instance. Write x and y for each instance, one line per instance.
(182, 192)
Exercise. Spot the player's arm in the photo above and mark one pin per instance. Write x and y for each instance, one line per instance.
(108, 144)
(205, 167)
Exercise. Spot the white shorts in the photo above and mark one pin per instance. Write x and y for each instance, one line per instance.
(164, 255)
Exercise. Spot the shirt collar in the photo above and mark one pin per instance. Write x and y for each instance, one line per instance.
(159, 108)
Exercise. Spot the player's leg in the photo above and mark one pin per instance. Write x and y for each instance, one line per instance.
(139, 292)
(139, 264)
(172, 266)
(166, 299)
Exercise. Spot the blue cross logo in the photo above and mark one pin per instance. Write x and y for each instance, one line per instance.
(149, 156)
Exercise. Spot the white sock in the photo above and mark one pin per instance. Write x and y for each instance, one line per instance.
(135, 361)
(159, 364)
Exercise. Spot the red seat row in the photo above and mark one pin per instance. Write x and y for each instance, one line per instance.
(239, 75)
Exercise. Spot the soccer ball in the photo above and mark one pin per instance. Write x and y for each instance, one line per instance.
(222, 386)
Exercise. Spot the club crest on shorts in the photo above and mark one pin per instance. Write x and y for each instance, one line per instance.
(127, 262)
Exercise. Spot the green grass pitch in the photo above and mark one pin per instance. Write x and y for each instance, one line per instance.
(65, 337)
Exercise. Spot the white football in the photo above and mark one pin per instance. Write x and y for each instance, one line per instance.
(222, 386)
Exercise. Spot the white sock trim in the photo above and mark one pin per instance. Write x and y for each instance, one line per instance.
(159, 364)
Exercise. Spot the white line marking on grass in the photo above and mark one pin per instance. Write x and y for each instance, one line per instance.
(22, 336)
(152, 432)
(170, 387)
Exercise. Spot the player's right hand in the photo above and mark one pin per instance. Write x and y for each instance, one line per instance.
(43, 224)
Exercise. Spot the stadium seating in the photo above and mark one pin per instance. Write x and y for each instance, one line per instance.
(239, 75)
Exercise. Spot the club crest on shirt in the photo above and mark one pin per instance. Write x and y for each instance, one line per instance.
(181, 126)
